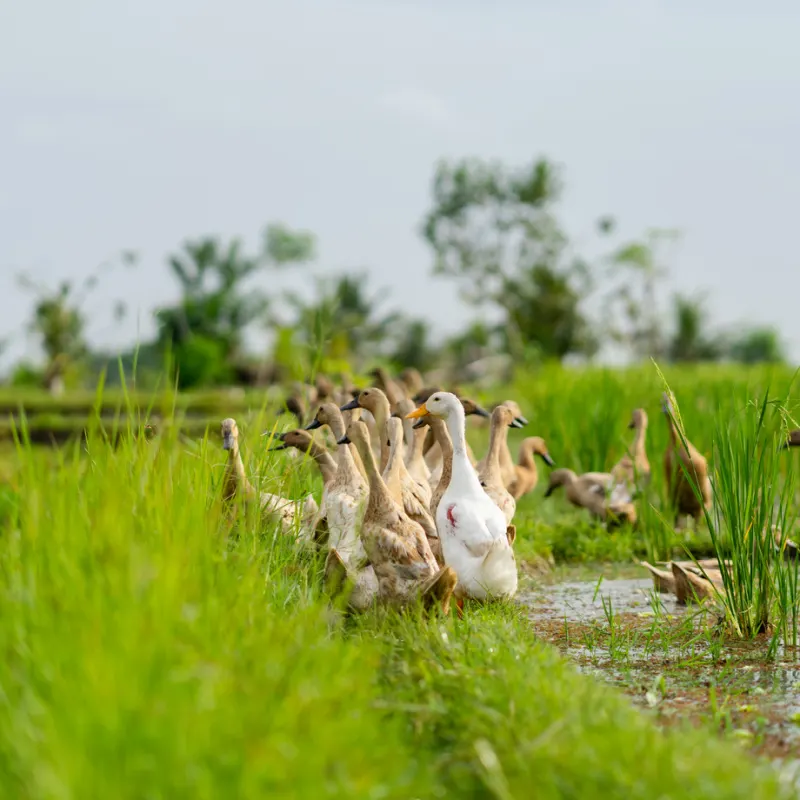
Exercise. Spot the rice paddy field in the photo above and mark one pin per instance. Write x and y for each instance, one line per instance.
(155, 647)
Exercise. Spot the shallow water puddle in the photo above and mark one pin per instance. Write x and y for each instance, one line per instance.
(584, 601)
(670, 661)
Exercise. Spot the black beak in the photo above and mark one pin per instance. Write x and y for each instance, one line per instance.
(549, 491)
(313, 425)
(343, 440)
(277, 448)
(522, 421)
(481, 412)
(547, 460)
(419, 424)
(515, 423)
(631, 425)
(351, 405)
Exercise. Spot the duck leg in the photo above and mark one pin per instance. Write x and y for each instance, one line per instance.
(439, 588)
(335, 574)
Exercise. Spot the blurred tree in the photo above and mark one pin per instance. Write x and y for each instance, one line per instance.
(632, 315)
(758, 345)
(209, 321)
(474, 343)
(60, 324)
(494, 230)
(413, 347)
(691, 340)
(343, 320)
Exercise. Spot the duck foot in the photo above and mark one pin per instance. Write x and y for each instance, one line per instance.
(335, 575)
(440, 588)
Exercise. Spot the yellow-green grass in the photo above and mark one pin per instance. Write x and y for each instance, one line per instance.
(150, 650)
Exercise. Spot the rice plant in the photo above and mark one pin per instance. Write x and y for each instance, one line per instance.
(750, 518)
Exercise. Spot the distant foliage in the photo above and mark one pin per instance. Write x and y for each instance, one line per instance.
(494, 230)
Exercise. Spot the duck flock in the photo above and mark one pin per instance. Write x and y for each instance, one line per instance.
(408, 514)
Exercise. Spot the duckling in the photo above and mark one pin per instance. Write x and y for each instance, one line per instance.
(490, 478)
(633, 469)
(294, 516)
(680, 460)
(589, 491)
(415, 498)
(476, 539)
(525, 468)
(397, 548)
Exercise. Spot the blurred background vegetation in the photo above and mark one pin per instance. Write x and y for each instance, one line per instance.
(493, 230)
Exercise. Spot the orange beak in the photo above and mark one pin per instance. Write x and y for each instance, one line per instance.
(422, 411)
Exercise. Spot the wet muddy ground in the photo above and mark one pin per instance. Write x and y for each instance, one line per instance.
(673, 661)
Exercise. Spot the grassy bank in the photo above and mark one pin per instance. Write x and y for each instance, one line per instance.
(151, 649)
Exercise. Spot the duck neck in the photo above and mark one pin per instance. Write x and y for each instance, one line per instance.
(637, 448)
(463, 473)
(379, 496)
(446, 447)
(526, 458)
(392, 475)
(673, 430)
(497, 438)
(324, 460)
(381, 413)
(235, 477)
(346, 469)
(417, 446)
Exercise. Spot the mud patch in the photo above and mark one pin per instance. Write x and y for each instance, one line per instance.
(673, 661)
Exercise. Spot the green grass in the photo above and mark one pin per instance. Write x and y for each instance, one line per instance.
(151, 650)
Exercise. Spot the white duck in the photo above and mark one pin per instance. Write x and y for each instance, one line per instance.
(476, 541)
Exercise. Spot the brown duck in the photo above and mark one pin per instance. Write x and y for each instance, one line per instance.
(396, 547)
(525, 468)
(633, 469)
(680, 461)
(589, 491)
(294, 516)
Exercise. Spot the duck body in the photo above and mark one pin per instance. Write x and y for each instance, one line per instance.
(294, 517)
(413, 497)
(473, 530)
(593, 491)
(633, 469)
(404, 564)
(527, 475)
(490, 476)
(345, 505)
(680, 458)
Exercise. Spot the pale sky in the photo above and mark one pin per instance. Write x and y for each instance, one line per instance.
(137, 125)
